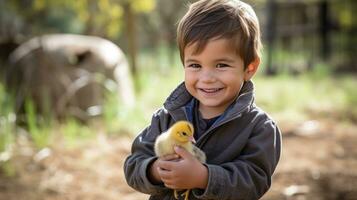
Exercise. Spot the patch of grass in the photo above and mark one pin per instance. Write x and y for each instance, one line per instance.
(349, 107)
(7, 124)
(8, 168)
(39, 130)
(7, 132)
(74, 132)
(297, 97)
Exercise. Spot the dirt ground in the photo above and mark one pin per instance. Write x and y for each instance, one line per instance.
(319, 161)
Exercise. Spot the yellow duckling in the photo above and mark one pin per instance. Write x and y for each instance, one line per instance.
(180, 134)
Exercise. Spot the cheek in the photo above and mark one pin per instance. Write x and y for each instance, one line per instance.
(190, 83)
(189, 78)
(233, 78)
(235, 82)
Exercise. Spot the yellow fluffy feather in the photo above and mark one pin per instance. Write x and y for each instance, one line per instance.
(180, 134)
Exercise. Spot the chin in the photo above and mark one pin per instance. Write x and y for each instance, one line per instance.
(210, 104)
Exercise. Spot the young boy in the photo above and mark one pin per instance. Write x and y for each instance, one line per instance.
(219, 43)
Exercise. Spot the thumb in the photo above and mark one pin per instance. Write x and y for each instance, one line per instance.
(183, 153)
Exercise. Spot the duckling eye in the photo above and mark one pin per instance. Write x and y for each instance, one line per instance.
(184, 133)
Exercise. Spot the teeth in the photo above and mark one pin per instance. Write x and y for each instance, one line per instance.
(210, 90)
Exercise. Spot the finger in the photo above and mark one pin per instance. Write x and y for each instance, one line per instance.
(170, 157)
(165, 175)
(166, 165)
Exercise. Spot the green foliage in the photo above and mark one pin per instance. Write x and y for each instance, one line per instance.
(7, 120)
(74, 132)
(111, 112)
(348, 87)
(297, 97)
(320, 71)
(39, 131)
(7, 132)
(142, 5)
(99, 17)
(344, 13)
(8, 168)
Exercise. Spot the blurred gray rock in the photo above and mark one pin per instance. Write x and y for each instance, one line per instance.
(68, 75)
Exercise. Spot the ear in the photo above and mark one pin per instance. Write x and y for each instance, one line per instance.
(251, 69)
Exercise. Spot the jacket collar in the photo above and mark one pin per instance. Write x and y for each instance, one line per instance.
(180, 98)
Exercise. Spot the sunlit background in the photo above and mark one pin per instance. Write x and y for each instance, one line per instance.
(80, 79)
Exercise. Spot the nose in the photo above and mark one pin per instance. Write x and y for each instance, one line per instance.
(207, 75)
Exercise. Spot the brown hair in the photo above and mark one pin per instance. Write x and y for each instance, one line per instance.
(229, 19)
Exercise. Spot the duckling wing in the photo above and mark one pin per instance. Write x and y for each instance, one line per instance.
(199, 154)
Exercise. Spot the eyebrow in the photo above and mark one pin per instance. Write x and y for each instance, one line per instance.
(225, 60)
(217, 60)
(191, 60)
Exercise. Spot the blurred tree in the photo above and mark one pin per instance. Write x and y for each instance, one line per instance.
(296, 33)
(131, 8)
(270, 34)
(104, 18)
(159, 26)
(169, 14)
(344, 27)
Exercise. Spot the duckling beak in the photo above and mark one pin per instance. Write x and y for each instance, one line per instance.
(192, 139)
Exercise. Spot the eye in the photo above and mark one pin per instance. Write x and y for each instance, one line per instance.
(194, 65)
(184, 133)
(221, 65)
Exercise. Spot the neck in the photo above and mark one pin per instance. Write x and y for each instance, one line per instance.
(211, 112)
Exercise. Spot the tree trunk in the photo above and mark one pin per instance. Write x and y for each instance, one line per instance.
(270, 30)
(131, 35)
(325, 47)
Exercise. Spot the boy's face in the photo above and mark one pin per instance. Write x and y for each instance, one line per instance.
(214, 76)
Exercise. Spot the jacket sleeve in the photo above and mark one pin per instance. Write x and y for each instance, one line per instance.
(247, 177)
(142, 155)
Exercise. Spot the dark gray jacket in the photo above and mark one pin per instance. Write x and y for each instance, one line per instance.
(242, 148)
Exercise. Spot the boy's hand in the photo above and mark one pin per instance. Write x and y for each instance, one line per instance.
(153, 175)
(186, 173)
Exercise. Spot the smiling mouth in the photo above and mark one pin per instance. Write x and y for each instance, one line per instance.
(210, 90)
